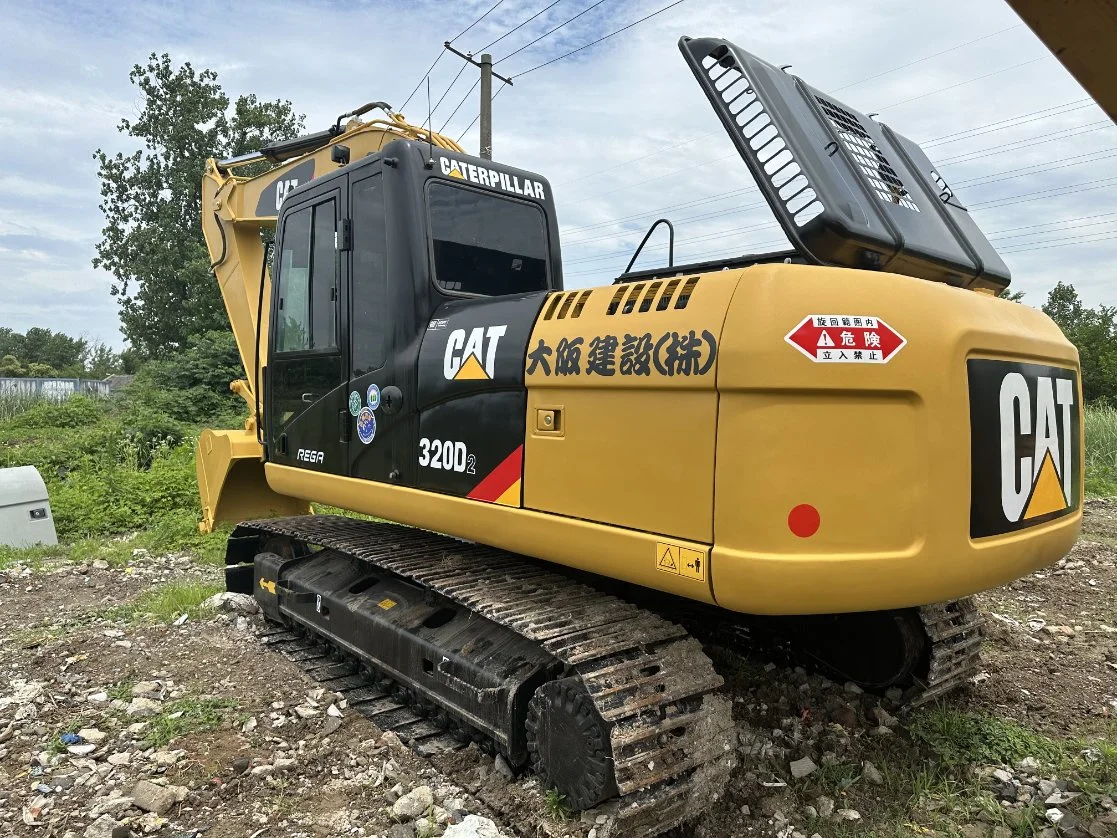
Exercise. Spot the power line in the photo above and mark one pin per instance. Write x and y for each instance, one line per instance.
(550, 32)
(1110, 220)
(929, 57)
(442, 52)
(519, 26)
(485, 15)
(1087, 238)
(1010, 174)
(447, 91)
(958, 136)
(474, 122)
(462, 102)
(1050, 223)
(997, 203)
(1015, 145)
(426, 76)
(602, 38)
(962, 83)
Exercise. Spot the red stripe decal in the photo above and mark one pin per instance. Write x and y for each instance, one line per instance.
(497, 482)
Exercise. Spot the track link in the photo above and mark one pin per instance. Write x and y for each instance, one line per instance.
(955, 629)
(672, 736)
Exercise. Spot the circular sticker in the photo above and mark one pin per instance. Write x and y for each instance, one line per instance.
(354, 402)
(366, 425)
(373, 397)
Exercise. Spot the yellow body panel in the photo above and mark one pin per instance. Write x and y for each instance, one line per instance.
(685, 483)
(610, 551)
(640, 446)
(882, 451)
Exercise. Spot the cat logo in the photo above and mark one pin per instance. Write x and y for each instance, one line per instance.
(472, 358)
(1025, 420)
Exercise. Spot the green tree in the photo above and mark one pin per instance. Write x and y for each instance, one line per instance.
(1094, 332)
(101, 361)
(151, 198)
(10, 367)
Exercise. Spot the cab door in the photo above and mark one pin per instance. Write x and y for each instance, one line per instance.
(381, 337)
(307, 368)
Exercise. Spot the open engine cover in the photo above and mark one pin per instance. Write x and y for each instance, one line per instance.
(847, 190)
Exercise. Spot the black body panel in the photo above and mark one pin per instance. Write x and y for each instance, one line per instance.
(454, 658)
(472, 398)
(1025, 434)
(847, 190)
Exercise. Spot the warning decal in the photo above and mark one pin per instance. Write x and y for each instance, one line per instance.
(846, 339)
(682, 561)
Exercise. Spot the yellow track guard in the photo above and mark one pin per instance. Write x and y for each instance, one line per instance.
(231, 480)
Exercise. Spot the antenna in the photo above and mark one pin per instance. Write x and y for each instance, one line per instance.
(430, 128)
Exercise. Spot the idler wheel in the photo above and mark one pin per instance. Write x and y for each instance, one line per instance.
(569, 743)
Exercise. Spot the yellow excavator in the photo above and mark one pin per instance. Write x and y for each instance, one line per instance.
(830, 447)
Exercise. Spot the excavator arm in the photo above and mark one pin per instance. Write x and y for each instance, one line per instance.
(240, 205)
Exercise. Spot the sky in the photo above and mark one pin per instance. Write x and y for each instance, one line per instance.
(621, 129)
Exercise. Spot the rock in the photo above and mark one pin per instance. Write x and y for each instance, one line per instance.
(1046, 788)
(107, 827)
(109, 806)
(825, 806)
(81, 750)
(872, 774)
(503, 768)
(884, 718)
(852, 688)
(1002, 776)
(881, 730)
(1005, 791)
(1001, 832)
(91, 734)
(153, 798)
(147, 689)
(974, 830)
(240, 765)
(122, 758)
(802, 767)
(846, 716)
(401, 830)
(265, 770)
(810, 812)
(474, 826)
(231, 603)
(848, 815)
(1053, 815)
(282, 764)
(1030, 764)
(143, 707)
(414, 804)
(165, 759)
(1060, 798)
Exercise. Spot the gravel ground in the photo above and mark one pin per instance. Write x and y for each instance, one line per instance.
(113, 723)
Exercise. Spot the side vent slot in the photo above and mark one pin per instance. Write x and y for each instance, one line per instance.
(552, 304)
(761, 139)
(685, 294)
(668, 293)
(646, 303)
(630, 302)
(583, 298)
(615, 303)
(569, 298)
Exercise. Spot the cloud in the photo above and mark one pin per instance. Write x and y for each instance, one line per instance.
(621, 130)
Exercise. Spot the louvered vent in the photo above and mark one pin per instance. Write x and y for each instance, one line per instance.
(642, 296)
(567, 304)
(868, 157)
(763, 139)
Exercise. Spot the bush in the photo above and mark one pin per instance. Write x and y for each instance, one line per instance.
(193, 385)
(1101, 450)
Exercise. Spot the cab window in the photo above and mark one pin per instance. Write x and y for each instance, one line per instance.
(485, 244)
(307, 316)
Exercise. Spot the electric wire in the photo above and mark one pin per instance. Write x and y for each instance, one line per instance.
(599, 40)
(474, 122)
(442, 130)
(492, 8)
(929, 57)
(446, 92)
(550, 32)
(519, 26)
(963, 83)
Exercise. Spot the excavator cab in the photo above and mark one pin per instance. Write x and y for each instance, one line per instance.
(370, 259)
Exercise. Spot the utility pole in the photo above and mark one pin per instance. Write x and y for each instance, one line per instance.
(486, 67)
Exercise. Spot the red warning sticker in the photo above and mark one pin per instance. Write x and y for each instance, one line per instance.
(845, 339)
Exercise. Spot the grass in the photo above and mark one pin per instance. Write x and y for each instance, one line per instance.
(960, 738)
(184, 716)
(555, 805)
(1101, 450)
(167, 602)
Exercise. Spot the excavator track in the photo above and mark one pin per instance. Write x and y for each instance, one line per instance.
(671, 736)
